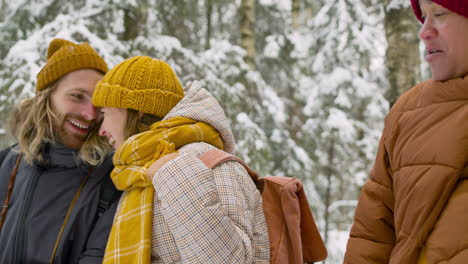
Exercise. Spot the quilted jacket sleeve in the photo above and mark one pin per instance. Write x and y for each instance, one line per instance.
(212, 214)
(372, 236)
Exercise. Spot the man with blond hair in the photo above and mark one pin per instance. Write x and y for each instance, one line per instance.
(58, 201)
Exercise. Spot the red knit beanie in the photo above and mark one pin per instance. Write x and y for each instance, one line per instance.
(458, 6)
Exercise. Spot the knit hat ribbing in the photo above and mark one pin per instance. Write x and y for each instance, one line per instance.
(64, 57)
(458, 6)
(140, 83)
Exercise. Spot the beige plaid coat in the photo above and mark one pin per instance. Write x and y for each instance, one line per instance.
(202, 215)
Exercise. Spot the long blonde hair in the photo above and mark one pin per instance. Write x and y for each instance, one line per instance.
(31, 123)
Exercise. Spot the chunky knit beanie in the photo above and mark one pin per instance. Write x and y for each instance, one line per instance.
(64, 57)
(140, 83)
(458, 6)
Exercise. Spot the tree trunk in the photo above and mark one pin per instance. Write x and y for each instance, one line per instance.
(135, 20)
(2, 10)
(209, 11)
(329, 171)
(308, 11)
(403, 60)
(295, 13)
(247, 28)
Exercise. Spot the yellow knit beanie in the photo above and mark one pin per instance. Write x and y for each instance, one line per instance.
(64, 57)
(140, 83)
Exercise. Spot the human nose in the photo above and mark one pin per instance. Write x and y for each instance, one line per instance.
(102, 132)
(90, 112)
(427, 30)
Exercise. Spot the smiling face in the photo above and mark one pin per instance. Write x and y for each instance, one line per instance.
(445, 35)
(71, 103)
(113, 125)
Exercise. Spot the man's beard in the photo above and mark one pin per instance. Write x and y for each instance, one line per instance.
(63, 135)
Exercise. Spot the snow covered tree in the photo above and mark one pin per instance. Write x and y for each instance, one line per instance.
(344, 103)
(312, 107)
(401, 30)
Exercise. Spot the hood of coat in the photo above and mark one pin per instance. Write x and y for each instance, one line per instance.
(199, 104)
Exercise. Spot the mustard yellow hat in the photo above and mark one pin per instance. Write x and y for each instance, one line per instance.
(64, 57)
(140, 83)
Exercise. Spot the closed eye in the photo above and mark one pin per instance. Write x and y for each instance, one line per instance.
(77, 96)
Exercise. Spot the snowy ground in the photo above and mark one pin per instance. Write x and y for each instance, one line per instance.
(336, 246)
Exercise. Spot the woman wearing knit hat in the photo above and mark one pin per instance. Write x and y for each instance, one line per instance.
(414, 207)
(174, 209)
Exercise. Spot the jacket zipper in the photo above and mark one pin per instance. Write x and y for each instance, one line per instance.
(20, 237)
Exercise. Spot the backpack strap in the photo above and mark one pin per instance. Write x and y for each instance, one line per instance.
(215, 157)
(67, 216)
(11, 184)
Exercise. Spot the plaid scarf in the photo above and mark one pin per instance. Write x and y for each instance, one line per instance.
(130, 237)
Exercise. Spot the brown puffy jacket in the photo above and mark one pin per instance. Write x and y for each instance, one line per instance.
(417, 194)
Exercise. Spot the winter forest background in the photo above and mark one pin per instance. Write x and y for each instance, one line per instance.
(305, 83)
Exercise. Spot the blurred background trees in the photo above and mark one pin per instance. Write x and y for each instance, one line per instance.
(305, 83)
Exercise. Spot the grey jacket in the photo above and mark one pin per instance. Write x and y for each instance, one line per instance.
(41, 197)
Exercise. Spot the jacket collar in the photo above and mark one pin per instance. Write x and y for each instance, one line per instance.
(433, 92)
(57, 155)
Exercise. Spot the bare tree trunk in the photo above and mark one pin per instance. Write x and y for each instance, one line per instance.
(403, 60)
(220, 24)
(2, 10)
(329, 171)
(308, 11)
(247, 28)
(209, 11)
(135, 21)
(294, 105)
(295, 13)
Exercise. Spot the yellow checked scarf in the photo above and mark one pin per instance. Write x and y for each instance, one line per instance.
(130, 237)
